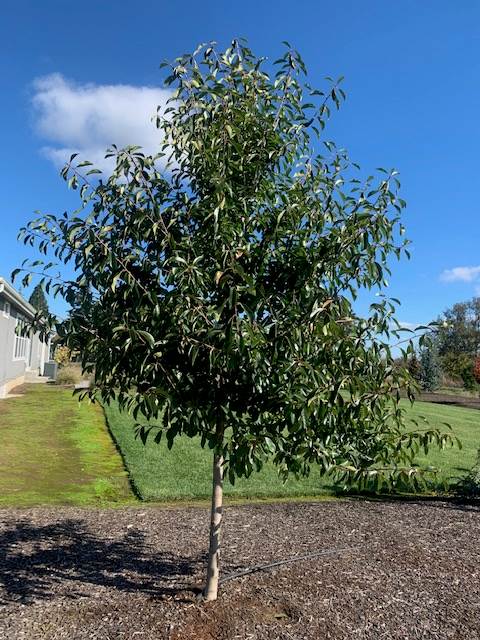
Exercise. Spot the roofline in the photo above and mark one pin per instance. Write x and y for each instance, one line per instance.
(13, 296)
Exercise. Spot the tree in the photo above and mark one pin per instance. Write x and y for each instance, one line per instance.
(38, 299)
(465, 366)
(458, 332)
(220, 290)
(458, 340)
(476, 370)
(414, 367)
(429, 367)
(459, 366)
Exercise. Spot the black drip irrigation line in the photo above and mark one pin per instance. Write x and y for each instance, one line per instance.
(278, 563)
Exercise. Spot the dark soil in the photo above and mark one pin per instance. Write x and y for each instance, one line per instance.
(401, 570)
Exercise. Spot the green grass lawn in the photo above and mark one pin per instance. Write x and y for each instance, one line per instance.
(57, 451)
(465, 423)
(184, 471)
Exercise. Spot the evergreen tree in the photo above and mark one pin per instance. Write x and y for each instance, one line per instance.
(38, 299)
(430, 368)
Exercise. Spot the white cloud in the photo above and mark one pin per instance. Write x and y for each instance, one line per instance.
(460, 274)
(88, 118)
(408, 325)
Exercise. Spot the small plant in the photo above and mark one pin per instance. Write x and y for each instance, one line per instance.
(469, 486)
(69, 375)
(62, 355)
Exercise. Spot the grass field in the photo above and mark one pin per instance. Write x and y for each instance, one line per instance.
(184, 471)
(55, 451)
(465, 423)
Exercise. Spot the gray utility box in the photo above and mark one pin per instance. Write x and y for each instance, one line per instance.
(50, 370)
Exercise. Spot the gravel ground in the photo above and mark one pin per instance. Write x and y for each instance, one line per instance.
(403, 570)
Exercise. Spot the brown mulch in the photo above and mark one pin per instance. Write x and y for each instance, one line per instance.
(448, 399)
(404, 570)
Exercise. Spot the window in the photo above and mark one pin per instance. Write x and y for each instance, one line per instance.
(5, 306)
(21, 348)
(22, 343)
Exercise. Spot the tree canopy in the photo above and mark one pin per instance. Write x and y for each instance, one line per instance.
(216, 293)
(459, 329)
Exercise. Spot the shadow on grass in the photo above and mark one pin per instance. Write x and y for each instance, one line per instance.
(37, 562)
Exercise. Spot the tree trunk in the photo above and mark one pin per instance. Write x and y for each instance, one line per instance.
(211, 588)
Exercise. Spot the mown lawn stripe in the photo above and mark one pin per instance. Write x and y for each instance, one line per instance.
(183, 473)
(57, 451)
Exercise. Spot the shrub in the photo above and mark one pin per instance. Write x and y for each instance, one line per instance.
(62, 355)
(69, 375)
(476, 370)
(469, 486)
(468, 376)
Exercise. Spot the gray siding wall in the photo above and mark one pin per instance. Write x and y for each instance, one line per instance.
(9, 368)
(35, 356)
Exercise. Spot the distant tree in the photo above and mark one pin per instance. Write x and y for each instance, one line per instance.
(429, 367)
(38, 299)
(458, 367)
(414, 367)
(465, 364)
(219, 293)
(476, 370)
(467, 375)
(400, 364)
(459, 329)
(458, 340)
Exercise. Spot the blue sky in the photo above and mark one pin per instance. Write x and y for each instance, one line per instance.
(83, 75)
